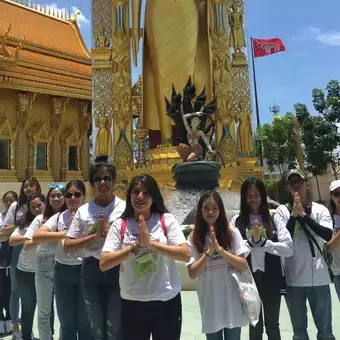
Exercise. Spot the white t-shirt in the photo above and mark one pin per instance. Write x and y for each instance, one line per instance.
(302, 270)
(10, 216)
(284, 246)
(165, 283)
(60, 223)
(86, 218)
(44, 248)
(217, 291)
(336, 252)
(28, 257)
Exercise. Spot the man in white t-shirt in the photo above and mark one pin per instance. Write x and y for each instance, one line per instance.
(306, 271)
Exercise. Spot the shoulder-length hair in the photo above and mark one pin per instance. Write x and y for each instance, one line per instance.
(23, 199)
(222, 229)
(243, 220)
(152, 188)
(30, 216)
(49, 211)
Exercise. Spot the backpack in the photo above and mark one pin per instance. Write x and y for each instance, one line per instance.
(124, 224)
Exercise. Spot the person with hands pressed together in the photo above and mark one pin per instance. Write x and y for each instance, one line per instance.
(217, 250)
(307, 276)
(68, 288)
(267, 243)
(145, 242)
(88, 231)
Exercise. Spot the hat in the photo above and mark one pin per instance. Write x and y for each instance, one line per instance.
(295, 172)
(334, 185)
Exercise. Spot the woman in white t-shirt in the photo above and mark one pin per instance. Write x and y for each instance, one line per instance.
(145, 242)
(216, 249)
(16, 218)
(27, 264)
(334, 245)
(44, 280)
(268, 243)
(5, 282)
(69, 292)
(87, 232)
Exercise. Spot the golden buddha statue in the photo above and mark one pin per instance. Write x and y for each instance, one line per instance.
(104, 138)
(245, 142)
(102, 40)
(237, 38)
(176, 46)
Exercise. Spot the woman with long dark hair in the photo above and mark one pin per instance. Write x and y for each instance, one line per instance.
(145, 242)
(216, 248)
(44, 278)
(27, 264)
(267, 244)
(69, 292)
(5, 282)
(333, 245)
(16, 218)
(88, 231)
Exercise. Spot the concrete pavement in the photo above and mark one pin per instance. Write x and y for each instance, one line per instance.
(191, 329)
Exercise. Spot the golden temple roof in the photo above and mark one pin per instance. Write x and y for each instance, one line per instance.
(43, 53)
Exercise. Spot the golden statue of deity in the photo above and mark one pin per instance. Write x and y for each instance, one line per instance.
(176, 46)
(102, 40)
(245, 143)
(104, 138)
(237, 38)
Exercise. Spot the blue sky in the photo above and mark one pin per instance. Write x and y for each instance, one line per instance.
(310, 31)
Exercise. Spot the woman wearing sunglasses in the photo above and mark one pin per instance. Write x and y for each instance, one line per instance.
(44, 276)
(88, 230)
(69, 294)
(334, 244)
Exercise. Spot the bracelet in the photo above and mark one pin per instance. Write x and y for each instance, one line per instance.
(206, 254)
(135, 248)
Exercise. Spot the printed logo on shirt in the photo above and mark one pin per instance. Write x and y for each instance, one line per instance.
(216, 261)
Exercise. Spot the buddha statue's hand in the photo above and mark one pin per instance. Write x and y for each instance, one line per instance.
(135, 37)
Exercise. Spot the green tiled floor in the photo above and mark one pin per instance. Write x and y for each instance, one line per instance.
(191, 329)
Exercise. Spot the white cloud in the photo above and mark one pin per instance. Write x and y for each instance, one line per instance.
(328, 38)
(81, 18)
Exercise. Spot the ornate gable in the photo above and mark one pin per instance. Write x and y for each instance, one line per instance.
(7, 131)
(71, 136)
(39, 133)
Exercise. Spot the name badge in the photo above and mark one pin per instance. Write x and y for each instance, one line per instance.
(144, 265)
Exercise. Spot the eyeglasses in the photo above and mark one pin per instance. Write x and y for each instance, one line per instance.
(57, 186)
(336, 194)
(76, 194)
(98, 179)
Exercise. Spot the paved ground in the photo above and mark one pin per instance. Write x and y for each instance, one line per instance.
(191, 329)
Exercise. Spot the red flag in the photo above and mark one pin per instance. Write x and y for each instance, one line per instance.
(264, 47)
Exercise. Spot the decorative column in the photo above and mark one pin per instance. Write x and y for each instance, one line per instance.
(240, 80)
(102, 69)
(32, 156)
(222, 77)
(59, 107)
(84, 149)
(25, 102)
(121, 76)
(13, 148)
(140, 133)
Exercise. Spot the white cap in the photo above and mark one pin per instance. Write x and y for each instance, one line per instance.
(334, 185)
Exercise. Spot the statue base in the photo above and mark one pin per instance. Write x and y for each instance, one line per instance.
(239, 59)
(198, 176)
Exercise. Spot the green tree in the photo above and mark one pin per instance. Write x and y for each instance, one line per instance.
(320, 138)
(278, 142)
(327, 103)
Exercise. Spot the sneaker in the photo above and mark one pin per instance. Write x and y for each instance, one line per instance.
(17, 335)
(8, 327)
(2, 328)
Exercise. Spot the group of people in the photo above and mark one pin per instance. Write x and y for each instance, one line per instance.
(110, 264)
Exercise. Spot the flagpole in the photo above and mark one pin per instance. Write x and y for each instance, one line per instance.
(256, 99)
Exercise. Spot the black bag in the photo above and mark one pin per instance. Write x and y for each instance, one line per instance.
(5, 254)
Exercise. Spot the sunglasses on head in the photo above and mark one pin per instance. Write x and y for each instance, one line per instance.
(77, 194)
(99, 179)
(336, 194)
(57, 186)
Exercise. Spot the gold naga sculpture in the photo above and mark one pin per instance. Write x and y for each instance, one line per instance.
(176, 46)
(104, 138)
